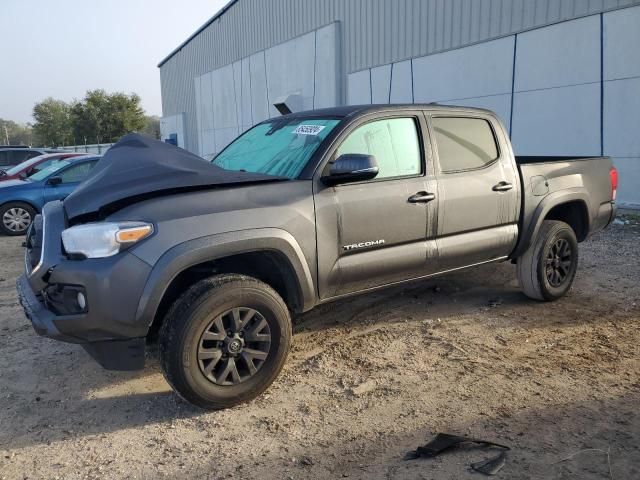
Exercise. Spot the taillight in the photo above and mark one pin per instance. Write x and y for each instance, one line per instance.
(613, 175)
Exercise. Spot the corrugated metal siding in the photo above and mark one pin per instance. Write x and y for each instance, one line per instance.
(373, 32)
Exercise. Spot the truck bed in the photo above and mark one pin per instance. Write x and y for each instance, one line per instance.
(584, 180)
(523, 160)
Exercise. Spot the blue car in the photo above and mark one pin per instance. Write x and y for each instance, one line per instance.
(21, 200)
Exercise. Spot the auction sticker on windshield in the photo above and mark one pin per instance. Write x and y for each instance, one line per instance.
(308, 129)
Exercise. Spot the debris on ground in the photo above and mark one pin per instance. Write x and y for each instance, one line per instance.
(443, 442)
(491, 466)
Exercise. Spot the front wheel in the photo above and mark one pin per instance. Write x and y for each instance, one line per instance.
(16, 218)
(224, 341)
(547, 269)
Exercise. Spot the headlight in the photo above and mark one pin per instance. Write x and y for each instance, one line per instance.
(104, 239)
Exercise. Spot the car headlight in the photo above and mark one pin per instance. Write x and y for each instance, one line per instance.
(103, 239)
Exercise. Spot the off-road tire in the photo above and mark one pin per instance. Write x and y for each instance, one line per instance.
(532, 265)
(15, 206)
(187, 319)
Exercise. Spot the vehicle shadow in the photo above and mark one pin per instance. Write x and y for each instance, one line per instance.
(85, 400)
(488, 289)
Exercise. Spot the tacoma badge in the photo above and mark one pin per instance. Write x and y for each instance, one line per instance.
(370, 243)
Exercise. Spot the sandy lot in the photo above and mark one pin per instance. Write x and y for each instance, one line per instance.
(367, 380)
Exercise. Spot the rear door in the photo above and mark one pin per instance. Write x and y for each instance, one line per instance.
(370, 233)
(478, 189)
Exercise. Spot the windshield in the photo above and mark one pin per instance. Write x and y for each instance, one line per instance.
(280, 147)
(45, 172)
(21, 166)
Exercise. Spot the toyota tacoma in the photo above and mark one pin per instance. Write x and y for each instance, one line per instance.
(212, 259)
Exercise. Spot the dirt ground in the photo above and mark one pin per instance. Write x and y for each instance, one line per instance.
(368, 379)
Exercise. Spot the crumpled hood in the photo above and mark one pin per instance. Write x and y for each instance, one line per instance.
(139, 167)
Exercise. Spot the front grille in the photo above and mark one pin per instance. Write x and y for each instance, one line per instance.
(34, 242)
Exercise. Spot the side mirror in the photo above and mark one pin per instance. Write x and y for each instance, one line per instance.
(53, 181)
(351, 167)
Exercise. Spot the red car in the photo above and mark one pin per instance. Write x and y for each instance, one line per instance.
(34, 165)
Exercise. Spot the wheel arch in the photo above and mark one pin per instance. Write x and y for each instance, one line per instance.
(574, 213)
(274, 258)
(22, 200)
(570, 206)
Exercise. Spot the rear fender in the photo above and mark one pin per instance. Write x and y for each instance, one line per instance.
(530, 231)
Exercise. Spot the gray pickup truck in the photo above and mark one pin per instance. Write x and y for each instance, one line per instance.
(212, 259)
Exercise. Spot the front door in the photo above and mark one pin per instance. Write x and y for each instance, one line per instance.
(478, 190)
(379, 231)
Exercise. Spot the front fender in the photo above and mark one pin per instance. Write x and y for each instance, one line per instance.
(213, 247)
(532, 226)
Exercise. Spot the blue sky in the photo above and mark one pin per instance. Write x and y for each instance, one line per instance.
(62, 48)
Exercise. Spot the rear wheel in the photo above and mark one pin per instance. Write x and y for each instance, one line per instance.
(547, 269)
(224, 341)
(15, 218)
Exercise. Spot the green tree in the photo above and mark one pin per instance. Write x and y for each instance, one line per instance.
(125, 115)
(101, 117)
(89, 118)
(152, 126)
(15, 133)
(52, 122)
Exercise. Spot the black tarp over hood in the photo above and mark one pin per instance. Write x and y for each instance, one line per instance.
(139, 167)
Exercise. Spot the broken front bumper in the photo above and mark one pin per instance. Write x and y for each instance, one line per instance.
(112, 287)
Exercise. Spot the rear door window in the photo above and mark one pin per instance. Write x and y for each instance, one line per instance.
(464, 143)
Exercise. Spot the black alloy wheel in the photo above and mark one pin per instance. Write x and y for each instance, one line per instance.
(548, 267)
(558, 264)
(234, 346)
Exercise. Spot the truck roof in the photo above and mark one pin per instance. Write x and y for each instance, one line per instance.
(349, 110)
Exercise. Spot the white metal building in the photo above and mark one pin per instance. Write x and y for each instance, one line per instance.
(564, 75)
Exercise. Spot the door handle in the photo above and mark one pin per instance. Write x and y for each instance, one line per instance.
(422, 197)
(502, 187)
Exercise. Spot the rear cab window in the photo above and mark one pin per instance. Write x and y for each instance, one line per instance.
(464, 143)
